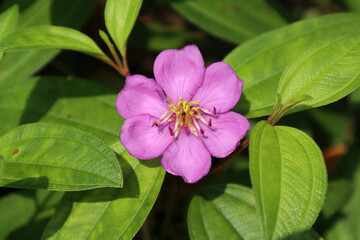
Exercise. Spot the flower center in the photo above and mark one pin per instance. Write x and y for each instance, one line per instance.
(185, 115)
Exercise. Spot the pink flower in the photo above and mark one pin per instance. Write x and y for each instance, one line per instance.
(183, 115)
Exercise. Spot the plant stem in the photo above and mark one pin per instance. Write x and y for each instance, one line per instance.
(126, 66)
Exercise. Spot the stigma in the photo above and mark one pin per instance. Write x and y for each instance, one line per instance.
(185, 115)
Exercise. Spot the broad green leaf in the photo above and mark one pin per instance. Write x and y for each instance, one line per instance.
(45, 37)
(325, 72)
(24, 214)
(19, 65)
(261, 61)
(56, 157)
(289, 179)
(110, 213)
(83, 104)
(8, 21)
(120, 16)
(223, 212)
(232, 20)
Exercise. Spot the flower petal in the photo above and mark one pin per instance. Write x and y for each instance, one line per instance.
(141, 95)
(142, 140)
(221, 88)
(180, 72)
(225, 133)
(187, 157)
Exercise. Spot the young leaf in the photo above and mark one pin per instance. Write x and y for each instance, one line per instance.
(24, 214)
(289, 179)
(120, 16)
(114, 213)
(19, 65)
(56, 157)
(326, 71)
(261, 61)
(223, 212)
(232, 20)
(42, 37)
(62, 100)
(8, 21)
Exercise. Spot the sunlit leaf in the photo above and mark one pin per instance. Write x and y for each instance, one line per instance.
(83, 104)
(120, 16)
(45, 37)
(19, 65)
(24, 214)
(56, 157)
(8, 21)
(261, 61)
(223, 212)
(289, 179)
(233, 20)
(110, 213)
(325, 72)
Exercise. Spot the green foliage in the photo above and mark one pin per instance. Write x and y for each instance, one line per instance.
(261, 61)
(8, 21)
(24, 214)
(324, 72)
(56, 157)
(289, 179)
(231, 20)
(62, 100)
(120, 16)
(110, 213)
(223, 212)
(44, 37)
(19, 65)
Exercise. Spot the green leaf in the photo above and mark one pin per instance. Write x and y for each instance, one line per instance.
(223, 212)
(8, 21)
(120, 16)
(19, 65)
(326, 72)
(62, 100)
(289, 179)
(115, 213)
(261, 61)
(232, 20)
(56, 157)
(24, 214)
(44, 37)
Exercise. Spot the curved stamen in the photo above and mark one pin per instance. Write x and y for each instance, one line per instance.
(185, 114)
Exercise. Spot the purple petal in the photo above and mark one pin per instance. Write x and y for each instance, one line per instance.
(225, 133)
(187, 157)
(141, 95)
(142, 140)
(221, 89)
(180, 72)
